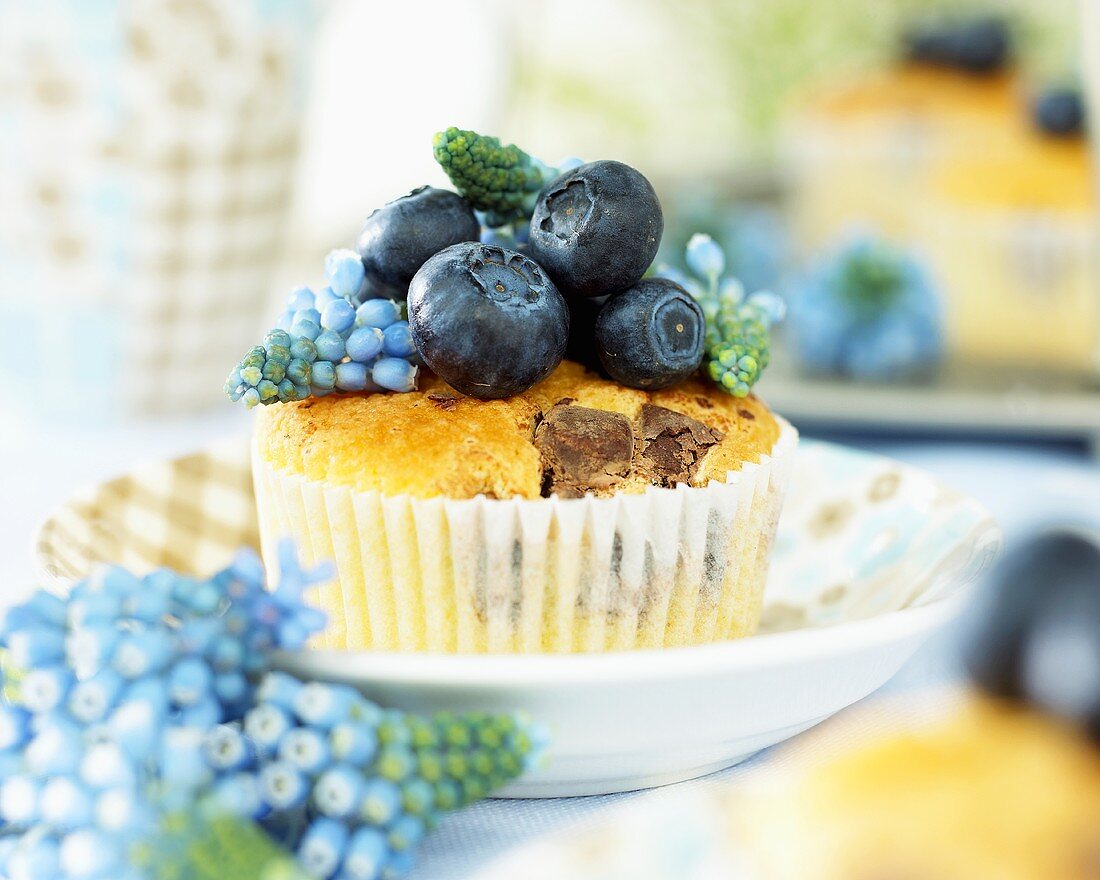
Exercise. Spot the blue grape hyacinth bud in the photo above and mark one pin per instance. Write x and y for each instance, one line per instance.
(322, 848)
(90, 853)
(283, 785)
(330, 347)
(352, 376)
(738, 339)
(378, 313)
(265, 726)
(280, 689)
(322, 298)
(43, 689)
(106, 765)
(398, 341)
(366, 854)
(704, 257)
(381, 801)
(227, 748)
(365, 344)
(300, 298)
(345, 272)
(325, 705)
(66, 804)
(306, 749)
(395, 374)
(338, 791)
(338, 316)
(91, 699)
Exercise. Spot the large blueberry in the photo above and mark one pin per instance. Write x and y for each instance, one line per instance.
(1035, 628)
(487, 320)
(651, 336)
(596, 228)
(398, 238)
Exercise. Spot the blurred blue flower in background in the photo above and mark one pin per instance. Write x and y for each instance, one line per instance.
(867, 310)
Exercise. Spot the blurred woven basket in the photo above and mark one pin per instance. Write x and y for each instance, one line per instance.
(148, 149)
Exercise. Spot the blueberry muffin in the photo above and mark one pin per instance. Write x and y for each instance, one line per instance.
(420, 426)
(578, 515)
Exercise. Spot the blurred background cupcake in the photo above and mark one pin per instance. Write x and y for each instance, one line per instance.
(969, 147)
(1005, 783)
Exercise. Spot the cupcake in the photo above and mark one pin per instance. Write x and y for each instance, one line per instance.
(947, 153)
(579, 515)
(860, 150)
(1008, 786)
(501, 498)
(1010, 232)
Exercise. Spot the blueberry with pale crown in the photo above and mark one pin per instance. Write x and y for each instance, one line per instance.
(486, 320)
(652, 335)
(596, 228)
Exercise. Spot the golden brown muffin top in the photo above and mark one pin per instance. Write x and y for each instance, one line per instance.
(563, 436)
(997, 791)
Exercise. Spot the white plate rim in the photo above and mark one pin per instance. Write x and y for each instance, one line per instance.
(508, 671)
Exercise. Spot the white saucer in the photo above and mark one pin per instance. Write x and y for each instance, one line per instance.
(871, 558)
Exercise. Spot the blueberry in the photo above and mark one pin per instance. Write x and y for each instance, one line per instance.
(1060, 111)
(1035, 628)
(398, 239)
(596, 228)
(651, 336)
(487, 320)
(979, 45)
(982, 45)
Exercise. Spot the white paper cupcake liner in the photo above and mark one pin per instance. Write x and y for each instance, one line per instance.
(667, 567)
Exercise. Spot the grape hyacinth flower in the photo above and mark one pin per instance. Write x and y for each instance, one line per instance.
(332, 339)
(500, 181)
(867, 311)
(738, 340)
(145, 738)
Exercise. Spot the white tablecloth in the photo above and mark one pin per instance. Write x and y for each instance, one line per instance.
(1022, 485)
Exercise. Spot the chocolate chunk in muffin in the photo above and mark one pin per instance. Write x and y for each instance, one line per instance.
(671, 445)
(583, 449)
